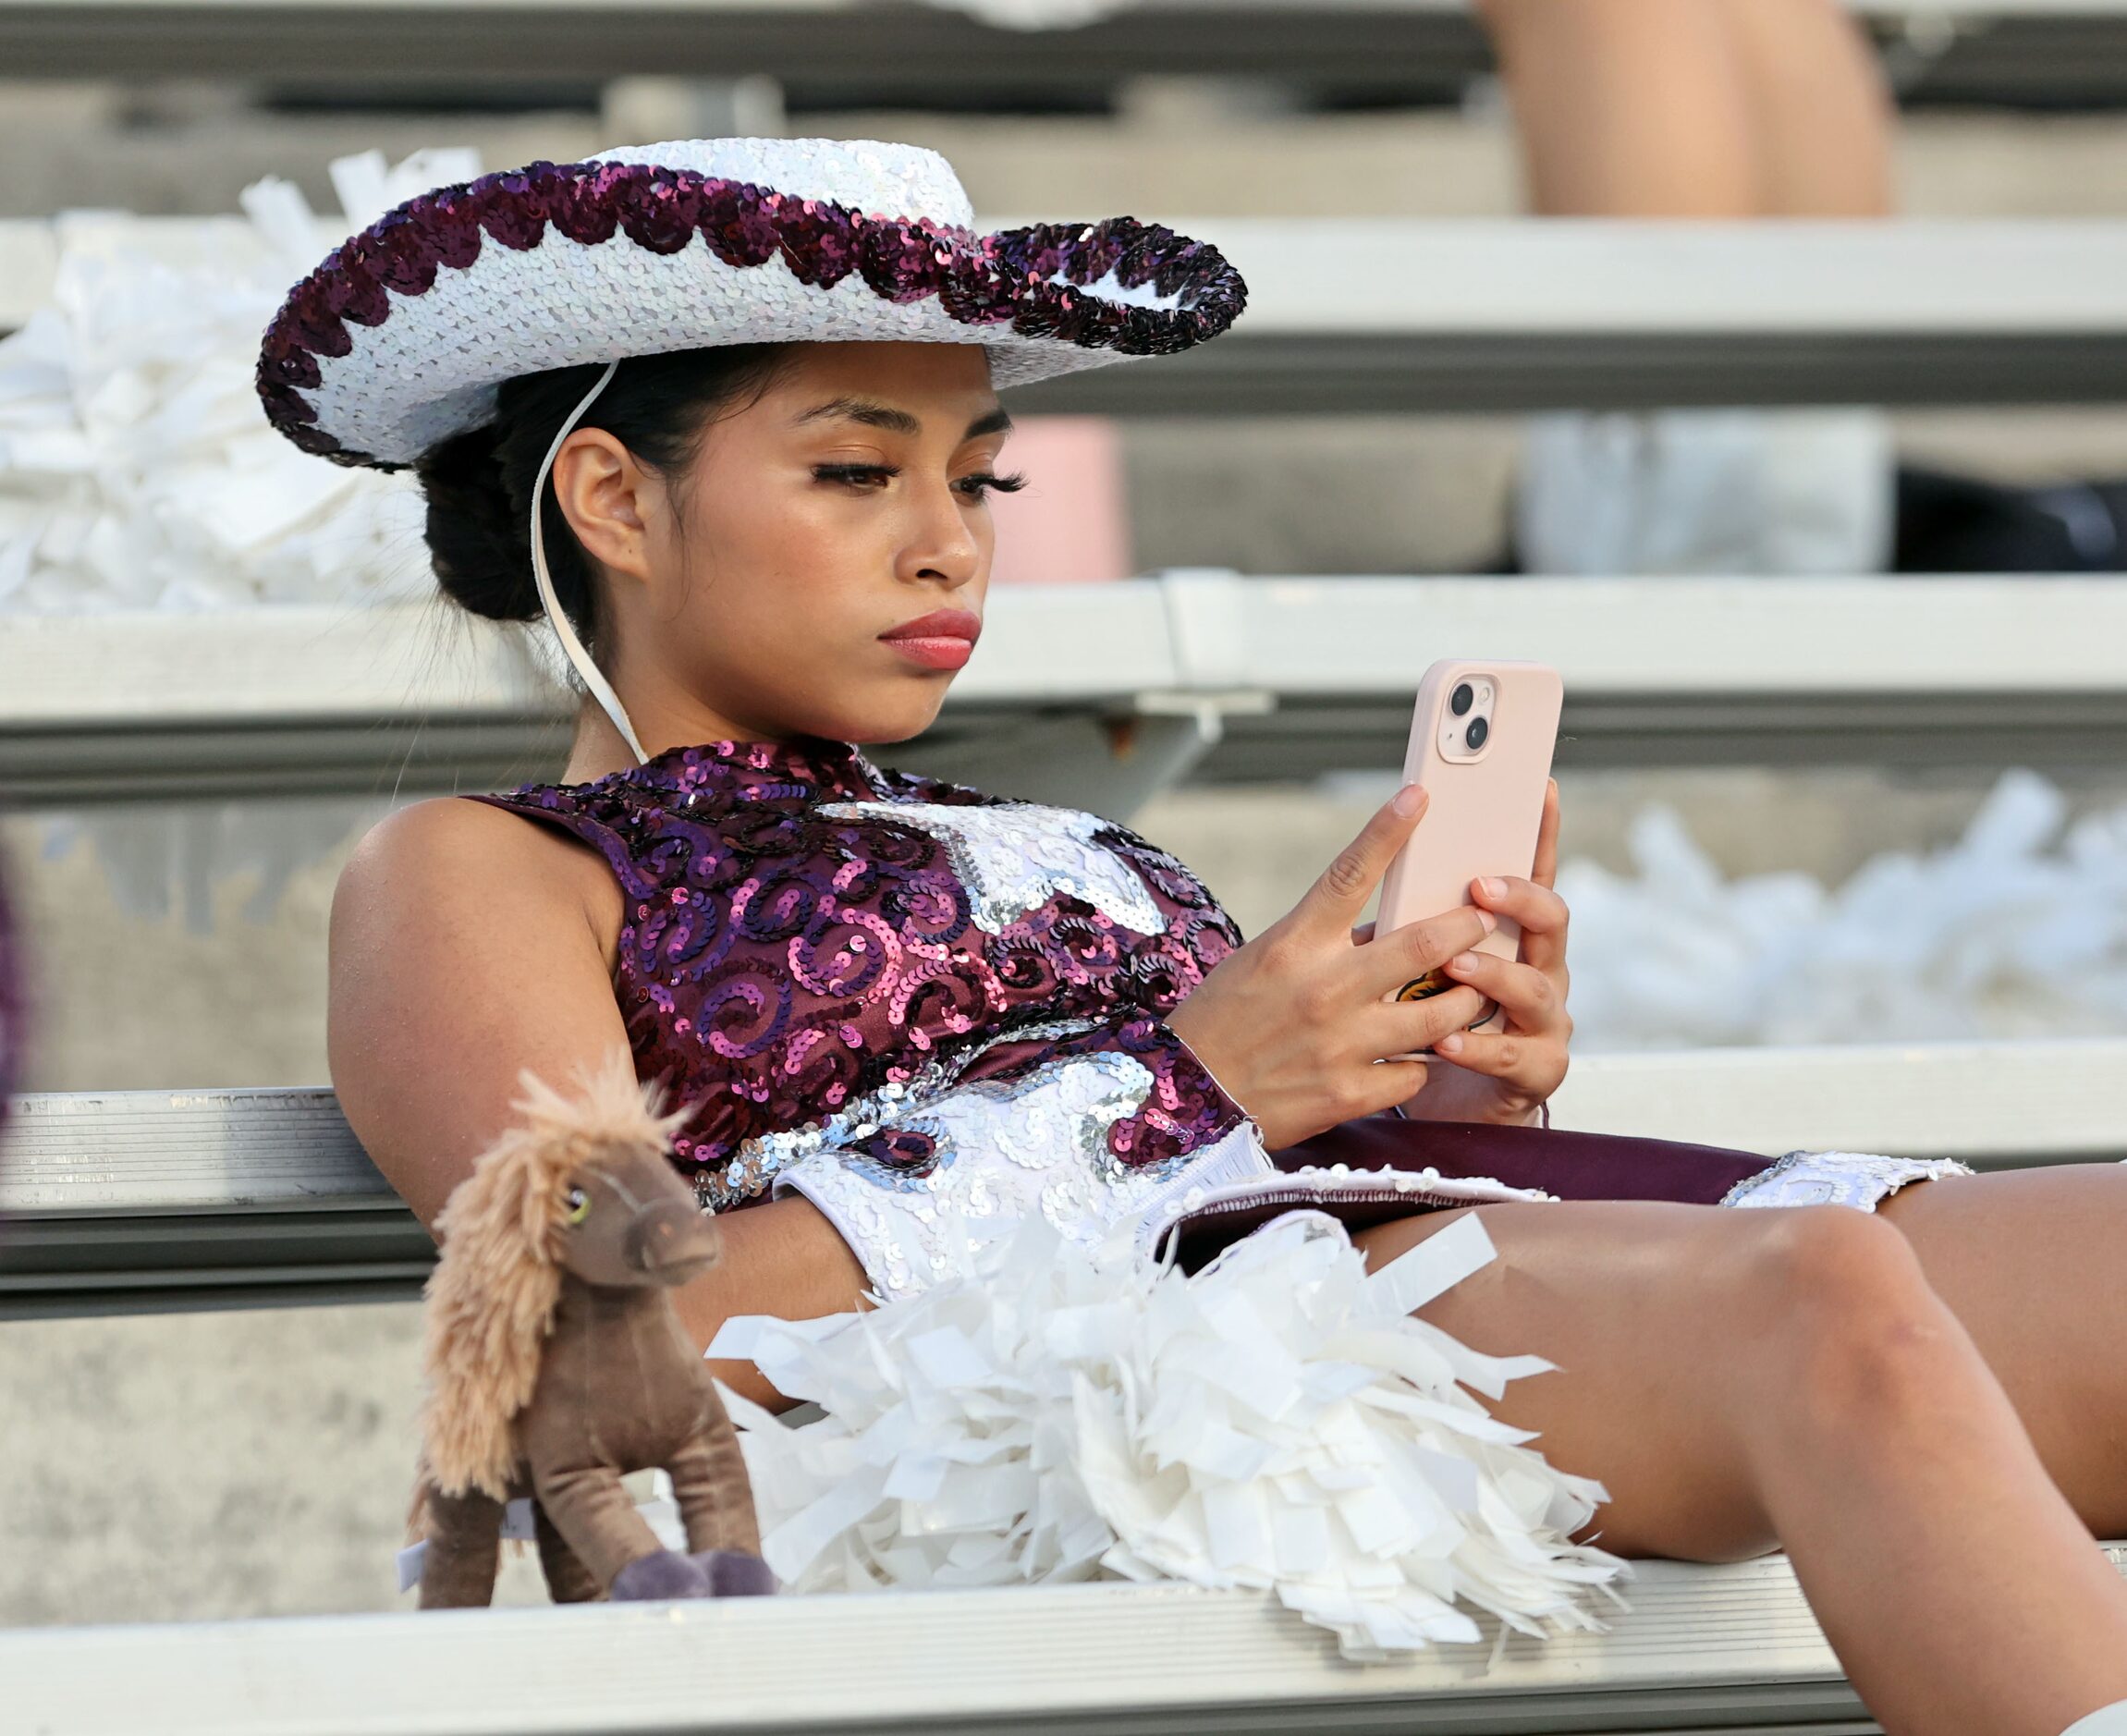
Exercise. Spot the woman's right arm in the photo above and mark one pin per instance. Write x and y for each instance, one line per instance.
(465, 944)
(1297, 1027)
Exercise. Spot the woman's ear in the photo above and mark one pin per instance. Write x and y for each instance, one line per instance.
(609, 500)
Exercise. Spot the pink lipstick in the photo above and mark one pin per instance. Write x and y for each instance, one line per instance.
(944, 639)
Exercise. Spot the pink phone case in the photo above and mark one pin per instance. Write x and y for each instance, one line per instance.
(1486, 806)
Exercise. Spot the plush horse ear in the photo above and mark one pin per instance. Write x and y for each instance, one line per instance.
(490, 1301)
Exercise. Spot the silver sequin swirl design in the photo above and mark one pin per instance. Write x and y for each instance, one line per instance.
(754, 1164)
(1014, 856)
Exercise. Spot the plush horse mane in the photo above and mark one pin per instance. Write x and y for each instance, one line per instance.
(492, 1296)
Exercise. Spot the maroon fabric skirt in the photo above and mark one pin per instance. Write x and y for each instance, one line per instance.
(1569, 1166)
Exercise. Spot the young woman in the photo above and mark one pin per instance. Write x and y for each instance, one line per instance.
(894, 999)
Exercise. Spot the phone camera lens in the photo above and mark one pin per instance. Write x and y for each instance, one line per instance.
(1479, 729)
(1462, 699)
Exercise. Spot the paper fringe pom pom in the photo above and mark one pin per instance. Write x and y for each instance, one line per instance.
(1278, 1419)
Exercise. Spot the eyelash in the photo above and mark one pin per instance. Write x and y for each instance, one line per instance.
(986, 480)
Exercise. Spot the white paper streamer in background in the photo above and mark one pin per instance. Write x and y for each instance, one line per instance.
(137, 467)
(1277, 1421)
(2017, 930)
(1035, 15)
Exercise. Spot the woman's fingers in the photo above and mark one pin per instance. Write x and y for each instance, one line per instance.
(1533, 1065)
(1414, 954)
(1390, 1081)
(1530, 996)
(1341, 891)
(1408, 1028)
(1541, 912)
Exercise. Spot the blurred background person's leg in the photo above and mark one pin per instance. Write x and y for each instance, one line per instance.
(1700, 109)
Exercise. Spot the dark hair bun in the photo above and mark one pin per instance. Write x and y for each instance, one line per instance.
(479, 483)
(478, 542)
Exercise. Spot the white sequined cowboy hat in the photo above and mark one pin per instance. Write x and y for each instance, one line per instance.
(400, 336)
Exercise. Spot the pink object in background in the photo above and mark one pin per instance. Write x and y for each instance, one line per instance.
(1070, 523)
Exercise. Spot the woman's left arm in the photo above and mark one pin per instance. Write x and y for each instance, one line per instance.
(1507, 1075)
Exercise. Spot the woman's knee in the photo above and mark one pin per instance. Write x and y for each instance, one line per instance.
(1854, 1333)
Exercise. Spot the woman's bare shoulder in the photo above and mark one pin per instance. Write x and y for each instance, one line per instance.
(465, 943)
(482, 864)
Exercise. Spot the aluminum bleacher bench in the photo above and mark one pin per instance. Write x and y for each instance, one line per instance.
(1096, 696)
(1702, 1649)
(113, 1202)
(861, 53)
(1489, 314)
(119, 1201)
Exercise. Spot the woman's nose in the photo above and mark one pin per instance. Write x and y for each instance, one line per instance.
(946, 547)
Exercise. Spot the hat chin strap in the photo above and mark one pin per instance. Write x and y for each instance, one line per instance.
(593, 678)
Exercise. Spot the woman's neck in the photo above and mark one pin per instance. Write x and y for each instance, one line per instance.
(600, 750)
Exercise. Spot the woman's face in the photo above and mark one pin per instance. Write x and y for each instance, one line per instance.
(752, 598)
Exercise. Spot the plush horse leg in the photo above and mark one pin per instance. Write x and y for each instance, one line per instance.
(715, 1493)
(464, 1550)
(716, 1501)
(597, 1519)
(568, 1579)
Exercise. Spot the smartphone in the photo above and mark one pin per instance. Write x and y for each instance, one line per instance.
(1480, 742)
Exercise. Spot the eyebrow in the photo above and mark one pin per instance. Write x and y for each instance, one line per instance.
(877, 415)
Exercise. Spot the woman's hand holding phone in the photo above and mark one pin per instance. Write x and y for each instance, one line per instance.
(1507, 1075)
(1297, 1026)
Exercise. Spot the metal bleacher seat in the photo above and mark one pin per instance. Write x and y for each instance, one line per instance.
(1098, 695)
(879, 53)
(1702, 1649)
(1355, 316)
(124, 1200)
(1271, 677)
(116, 1201)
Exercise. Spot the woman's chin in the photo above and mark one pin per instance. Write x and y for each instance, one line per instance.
(892, 721)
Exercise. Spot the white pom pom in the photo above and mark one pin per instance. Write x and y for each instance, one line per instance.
(137, 468)
(1273, 1421)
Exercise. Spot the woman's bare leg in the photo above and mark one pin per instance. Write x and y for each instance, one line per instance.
(1695, 108)
(1741, 1380)
(1626, 108)
(2034, 1263)
(1820, 110)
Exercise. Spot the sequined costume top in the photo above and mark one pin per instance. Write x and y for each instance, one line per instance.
(933, 1012)
(863, 976)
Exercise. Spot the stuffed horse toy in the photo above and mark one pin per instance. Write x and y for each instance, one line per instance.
(556, 1363)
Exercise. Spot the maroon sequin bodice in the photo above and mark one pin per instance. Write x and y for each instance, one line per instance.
(809, 941)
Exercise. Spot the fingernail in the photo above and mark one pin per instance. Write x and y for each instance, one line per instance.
(1462, 963)
(1488, 920)
(1450, 1044)
(1408, 798)
(1493, 889)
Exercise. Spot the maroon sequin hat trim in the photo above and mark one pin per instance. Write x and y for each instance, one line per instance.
(1001, 279)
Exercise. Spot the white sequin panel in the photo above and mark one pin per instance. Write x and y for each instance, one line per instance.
(753, 1162)
(1837, 1178)
(1006, 1150)
(1013, 857)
